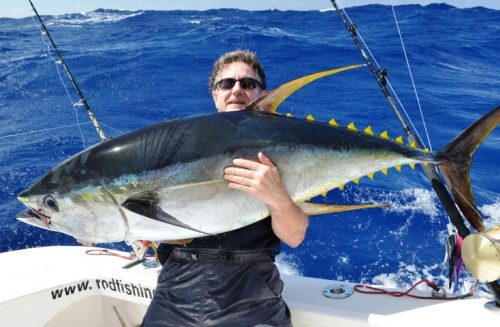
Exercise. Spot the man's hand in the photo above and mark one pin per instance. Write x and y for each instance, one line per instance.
(262, 181)
(259, 179)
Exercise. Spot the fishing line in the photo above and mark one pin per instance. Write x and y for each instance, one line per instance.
(432, 172)
(411, 76)
(377, 65)
(42, 130)
(74, 104)
(71, 78)
(111, 127)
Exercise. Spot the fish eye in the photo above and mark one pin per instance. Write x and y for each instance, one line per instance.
(50, 202)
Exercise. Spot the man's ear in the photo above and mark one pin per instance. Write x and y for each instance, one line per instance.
(214, 95)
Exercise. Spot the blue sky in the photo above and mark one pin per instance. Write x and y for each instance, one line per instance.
(21, 8)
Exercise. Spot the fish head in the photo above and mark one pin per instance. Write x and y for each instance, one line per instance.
(85, 211)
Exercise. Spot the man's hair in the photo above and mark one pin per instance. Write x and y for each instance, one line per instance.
(245, 56)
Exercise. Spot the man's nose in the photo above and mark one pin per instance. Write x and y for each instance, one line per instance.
(237, 89)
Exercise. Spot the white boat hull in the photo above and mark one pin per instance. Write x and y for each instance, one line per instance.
(63, 286)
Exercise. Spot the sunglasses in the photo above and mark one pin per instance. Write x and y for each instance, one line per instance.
(247, 83)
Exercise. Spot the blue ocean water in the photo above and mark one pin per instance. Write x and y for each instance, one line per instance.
(142, 67)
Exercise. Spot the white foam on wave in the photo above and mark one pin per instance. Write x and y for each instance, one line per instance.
(409, 200)
(287, 264)
(491, 213)
(417, 200)
(408, 275)
(97, 17)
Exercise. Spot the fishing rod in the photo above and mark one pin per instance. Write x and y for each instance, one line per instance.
(431, 171)
(71, 78)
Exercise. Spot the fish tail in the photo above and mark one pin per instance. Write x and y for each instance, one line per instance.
(456, 160)
(455, 163)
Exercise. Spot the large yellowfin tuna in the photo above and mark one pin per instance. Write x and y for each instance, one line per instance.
(165, 182)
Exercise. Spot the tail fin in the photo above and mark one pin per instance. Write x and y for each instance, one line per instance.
(457, 160)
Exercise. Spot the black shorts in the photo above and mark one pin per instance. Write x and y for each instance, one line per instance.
(239, 288)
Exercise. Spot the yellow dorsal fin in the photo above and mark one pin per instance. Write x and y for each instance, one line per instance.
(385, 135)
(369, 131)
(371, 175)
(384, 171)
(398, 168)
(310, 118)
(289, 115)
(333, 122)
(352, 127)
(399, 139)
(413, 145)
(271, 101)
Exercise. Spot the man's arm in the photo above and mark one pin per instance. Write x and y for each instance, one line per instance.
(262, 181)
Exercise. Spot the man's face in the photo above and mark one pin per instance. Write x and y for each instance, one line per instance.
(237, 97)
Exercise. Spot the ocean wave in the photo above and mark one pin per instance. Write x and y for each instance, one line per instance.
(101, 16)
(412, 200)
(287, 264)
(492, 213)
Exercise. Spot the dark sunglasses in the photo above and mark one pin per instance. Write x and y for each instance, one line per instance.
(245, 83)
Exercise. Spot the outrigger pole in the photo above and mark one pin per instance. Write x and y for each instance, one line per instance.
(430, 170)
(71, 78)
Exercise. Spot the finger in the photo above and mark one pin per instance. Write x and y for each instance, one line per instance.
(239, 172)
(238, 179)
(245, 163)
(265, 160)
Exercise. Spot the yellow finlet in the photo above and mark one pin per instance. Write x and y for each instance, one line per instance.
(399, 139)
(371, 175)
(310, 118)
(384, 171)
(352, 127)
(325, 193)
(398, 168)
(333, 122)
(412, 165)
(369, 131)
(271, 101)
(289, 115)
(341, 187)
(356, 181)
(413, 145)
(426, 150)
(385, 135)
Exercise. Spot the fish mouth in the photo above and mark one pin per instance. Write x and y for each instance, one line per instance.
(34, 217)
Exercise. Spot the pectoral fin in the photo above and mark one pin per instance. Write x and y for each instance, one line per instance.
(321, 209)
(147, 204)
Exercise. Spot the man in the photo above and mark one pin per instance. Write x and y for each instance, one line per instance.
(230, 279)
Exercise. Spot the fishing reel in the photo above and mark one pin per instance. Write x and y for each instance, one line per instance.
(481, 254)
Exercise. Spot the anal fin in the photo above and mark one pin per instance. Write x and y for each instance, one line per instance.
(322, 209)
